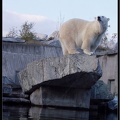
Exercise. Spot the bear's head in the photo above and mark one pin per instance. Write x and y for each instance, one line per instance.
(103, 21)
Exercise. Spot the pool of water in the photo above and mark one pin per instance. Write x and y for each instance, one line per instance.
(15, 112)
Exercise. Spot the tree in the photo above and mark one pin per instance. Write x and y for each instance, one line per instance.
(60, 21)
(104, 43)
(12, 33)
(26, 33)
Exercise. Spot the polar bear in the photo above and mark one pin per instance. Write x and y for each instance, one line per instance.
(83, 34)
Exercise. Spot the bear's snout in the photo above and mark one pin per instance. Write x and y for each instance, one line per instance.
(99, 18)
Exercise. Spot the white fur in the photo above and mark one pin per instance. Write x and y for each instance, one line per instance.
(83, 34)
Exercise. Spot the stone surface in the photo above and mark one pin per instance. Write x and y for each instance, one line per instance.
(11, 39)
(16, 95)
(62, 81)
(77, 71)
(113, 104)
(100, 91)
(16, 56)
(9, 81)
(116, 46)
(40, 36)
(109, 65)
(54, 43)
(7, 89)
(54, 35)
(8, 85)
(62, 97)
(15, 100)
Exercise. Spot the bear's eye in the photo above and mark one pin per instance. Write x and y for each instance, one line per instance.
(102, 16)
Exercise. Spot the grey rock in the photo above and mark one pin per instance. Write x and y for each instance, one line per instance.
(62, 81)
(113, 104)
(16, 95)
(7, 89)
(11, 39)
(10, 82)
(7, 81)
(40, 36)
(15, 100)
(116, 46)
(77, 71)
(54, 35)
(65, 81)
(61, 96)
(9, 86)
(54, 43)
(100, 91)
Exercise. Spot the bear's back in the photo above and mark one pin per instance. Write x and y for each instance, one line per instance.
(73, 26)
(75, 22)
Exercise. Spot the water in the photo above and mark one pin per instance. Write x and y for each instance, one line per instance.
(39, 113)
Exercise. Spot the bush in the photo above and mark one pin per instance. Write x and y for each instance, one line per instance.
(24, 33)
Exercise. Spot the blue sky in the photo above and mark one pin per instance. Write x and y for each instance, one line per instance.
(51, 10)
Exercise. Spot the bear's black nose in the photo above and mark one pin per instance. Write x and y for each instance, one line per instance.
(99, 19)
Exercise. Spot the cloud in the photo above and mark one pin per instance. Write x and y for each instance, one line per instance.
(42, 24)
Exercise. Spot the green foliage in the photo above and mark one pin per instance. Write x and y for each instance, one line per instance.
(26, 33)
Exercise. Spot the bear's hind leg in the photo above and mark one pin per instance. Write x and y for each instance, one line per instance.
(64, 50)
(68, 47)
(71, 47)
(86, 46)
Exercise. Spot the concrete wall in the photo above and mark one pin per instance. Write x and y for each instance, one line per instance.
(15, 56)
(35, 49)
(109, 64)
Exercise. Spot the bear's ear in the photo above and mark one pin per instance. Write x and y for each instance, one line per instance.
(108, 19)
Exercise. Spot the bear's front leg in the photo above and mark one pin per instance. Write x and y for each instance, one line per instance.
(87, 52)
(86, 46)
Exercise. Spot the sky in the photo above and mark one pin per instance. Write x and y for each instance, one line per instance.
(47, 15)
